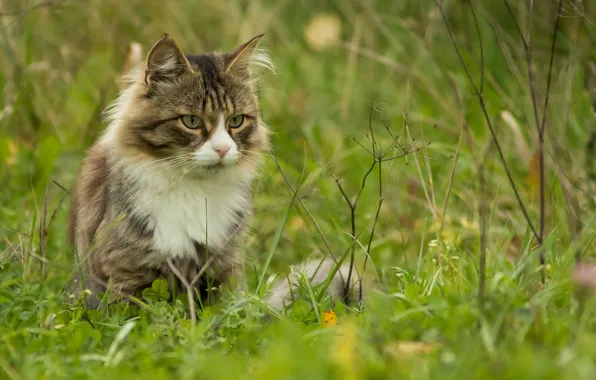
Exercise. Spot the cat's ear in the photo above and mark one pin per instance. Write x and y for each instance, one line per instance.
(165, 61)
(246, 58)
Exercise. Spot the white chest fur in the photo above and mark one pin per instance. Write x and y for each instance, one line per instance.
(186, 210)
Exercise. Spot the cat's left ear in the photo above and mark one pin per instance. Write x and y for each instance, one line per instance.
(246, 57)
(165, 61)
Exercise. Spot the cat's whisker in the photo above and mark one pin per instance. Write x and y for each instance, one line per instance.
(181, 169)
(162, 168)
(251, 152)
(154, 165)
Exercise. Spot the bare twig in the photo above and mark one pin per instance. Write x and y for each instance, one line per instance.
(550, 65)
(378, 157)
(372, 234)
(352, 205)
(62, 187)
(42, 235)
(490, 125)
(481, 46)
(527, 42)
(189, 292)
(203, 270)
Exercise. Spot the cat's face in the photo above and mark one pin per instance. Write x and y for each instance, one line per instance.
(196, 112)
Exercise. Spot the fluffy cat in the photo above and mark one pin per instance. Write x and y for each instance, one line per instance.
(165, 192)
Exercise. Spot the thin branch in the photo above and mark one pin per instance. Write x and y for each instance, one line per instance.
(490, 125)
(539, 124)
(62, 187)
(481, 46)
(352, 206)
(343, 193)
(203, 269)
(372, 233)
(364, 182)
(189, 292)
(42, 235)
(550, 66)
(519, 31)
(378, 156)
(362, 146)
(528, 49)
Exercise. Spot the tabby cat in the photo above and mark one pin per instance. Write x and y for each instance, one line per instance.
(165, 192)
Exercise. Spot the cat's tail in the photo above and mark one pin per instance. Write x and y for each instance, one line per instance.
(285, 290)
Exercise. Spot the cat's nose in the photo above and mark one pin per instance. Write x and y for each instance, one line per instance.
(221, 150)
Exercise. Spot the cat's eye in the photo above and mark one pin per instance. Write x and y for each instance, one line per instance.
(236, 121)
(191, 121)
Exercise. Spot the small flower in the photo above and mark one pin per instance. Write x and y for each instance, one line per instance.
(329, 318)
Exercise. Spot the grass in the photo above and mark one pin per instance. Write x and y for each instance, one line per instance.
(456, 283)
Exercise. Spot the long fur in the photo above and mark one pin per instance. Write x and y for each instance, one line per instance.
(154, 191)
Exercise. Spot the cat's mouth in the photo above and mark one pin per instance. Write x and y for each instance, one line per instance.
(221, 163)
(208, 168)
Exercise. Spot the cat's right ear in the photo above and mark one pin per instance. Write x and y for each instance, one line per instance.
(165, 61)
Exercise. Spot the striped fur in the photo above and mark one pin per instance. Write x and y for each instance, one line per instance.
(169, 182)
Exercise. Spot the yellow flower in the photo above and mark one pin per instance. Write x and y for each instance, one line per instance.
(329, 318)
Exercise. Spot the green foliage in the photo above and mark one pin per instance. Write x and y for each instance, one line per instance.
(59, 64)
(157, 291)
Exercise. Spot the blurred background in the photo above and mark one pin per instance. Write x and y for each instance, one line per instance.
(338, 64)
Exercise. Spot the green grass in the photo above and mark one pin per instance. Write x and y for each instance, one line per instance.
(59, 66)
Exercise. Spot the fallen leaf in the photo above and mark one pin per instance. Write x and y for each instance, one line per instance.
(329, 318)
(323, 30)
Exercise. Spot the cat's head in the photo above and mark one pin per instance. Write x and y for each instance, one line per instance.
(197, 112)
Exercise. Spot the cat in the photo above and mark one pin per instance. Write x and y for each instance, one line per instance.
(166, 190)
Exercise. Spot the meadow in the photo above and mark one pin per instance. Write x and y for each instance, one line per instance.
(448, 148)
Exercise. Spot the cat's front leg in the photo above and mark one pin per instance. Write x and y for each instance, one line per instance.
(120, 270)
